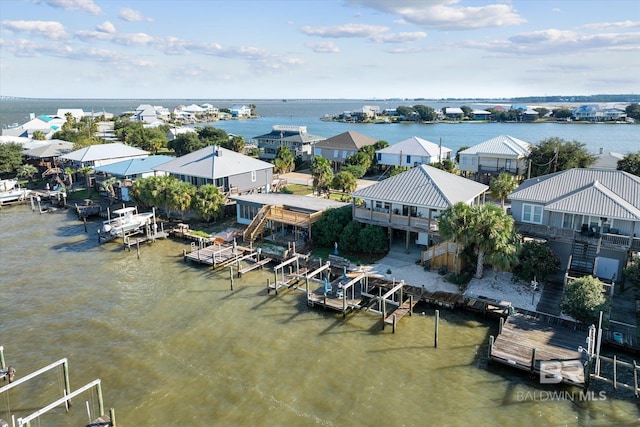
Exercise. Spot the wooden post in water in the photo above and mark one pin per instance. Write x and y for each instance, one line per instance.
(490, 347)
(138, 248)
(100, 401)
(231, 275)
(67, 386)
(393, 326)
(435, 336)
(635, 379)
(533, 360)
(2, 364)
(501, 325)
(112, 417)
(268, 287)
(84, 219)
(615, 371)
(410, 305)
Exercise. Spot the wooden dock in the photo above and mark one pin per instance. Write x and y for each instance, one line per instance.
(216, 255)
(405, 308)
(525, 343)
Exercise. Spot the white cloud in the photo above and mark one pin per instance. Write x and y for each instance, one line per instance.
(615, 25)
(84, 5)
(49, 29)
(131, 15)
(106, 27)
(446, 14)
(347, 30)
(323, 47)
(399, 37)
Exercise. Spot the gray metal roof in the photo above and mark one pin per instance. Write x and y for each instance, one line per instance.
(598, 192)
(503, 145)
(213, 162)
(114, 150)
(54, 148)
(424, 186)
(415, 146)
(306, 203)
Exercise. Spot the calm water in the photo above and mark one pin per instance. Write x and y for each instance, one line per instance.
(174, 346)
(617, 138)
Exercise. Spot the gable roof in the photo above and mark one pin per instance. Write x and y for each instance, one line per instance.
(213, 162)
(54, 148)
(134, 166)
(503, 145)
(415, 146)
(597, 192)
(347, 141)
(104, 151)
(292, 201)
(424, 186)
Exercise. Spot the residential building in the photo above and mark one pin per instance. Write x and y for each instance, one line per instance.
(43, 123)
(588, 112)
(46, 156)
(410, 203)
(339, 147)
(239, 110)
(127, 171)
(481, 115)
(231, 172)
(413, 151)
(102, 154)
(591, 218)
(454, 113)
(286, 217)
(299, 141)
(503, 153)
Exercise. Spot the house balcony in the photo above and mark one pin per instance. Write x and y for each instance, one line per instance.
(494, 170)
(607, 240)
(384, 218)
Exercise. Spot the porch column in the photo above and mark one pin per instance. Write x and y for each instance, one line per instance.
(406, 244)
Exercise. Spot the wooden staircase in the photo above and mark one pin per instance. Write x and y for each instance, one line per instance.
(257, 225)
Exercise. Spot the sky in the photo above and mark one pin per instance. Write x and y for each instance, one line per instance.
(318, 49)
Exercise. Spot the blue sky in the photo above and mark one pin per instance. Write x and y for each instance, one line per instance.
(217, 49)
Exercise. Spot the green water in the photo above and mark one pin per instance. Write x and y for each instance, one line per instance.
(174, 346)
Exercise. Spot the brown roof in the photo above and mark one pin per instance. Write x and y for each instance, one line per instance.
(348, 140)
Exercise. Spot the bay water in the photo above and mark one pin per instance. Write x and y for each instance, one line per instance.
(174, 345)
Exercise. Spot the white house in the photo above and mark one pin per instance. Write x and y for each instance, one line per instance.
(239, 110)
(413, 151)
(503, 153)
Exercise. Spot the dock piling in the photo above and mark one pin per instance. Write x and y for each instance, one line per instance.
(435, 337)
(2, 363)
(501, 325)
(490, 347)
(533, 360)
(231, 275)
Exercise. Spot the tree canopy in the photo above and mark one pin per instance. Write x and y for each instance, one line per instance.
(584, 299)
(10, 157)
(556, 154)
(630, 163)
(502, 186)
(322, 174)
(633, 111)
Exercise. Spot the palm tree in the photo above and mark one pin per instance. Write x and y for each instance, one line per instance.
(284, 161)
(492, 235)
(502, 186)
(344, 181)
(322, 173)
(69, 172)
(107, 185)
(38, 135)
(27, 171)
(181, 196)
(87, 171)
(454, 224)
(208, 202)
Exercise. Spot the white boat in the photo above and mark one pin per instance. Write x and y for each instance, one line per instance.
(10, 191)
(126, 221)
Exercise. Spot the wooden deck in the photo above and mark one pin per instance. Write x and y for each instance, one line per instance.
(525, 342)
(405, 308)
(216, 255)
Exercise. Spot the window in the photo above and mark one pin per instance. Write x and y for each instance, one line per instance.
(474, 161)
(379, 156)
(253, 176)
(568, 220)
(532, 213)
(336, 154)
(464, 160)
(408, 160)
(317, 152)
(344, 154)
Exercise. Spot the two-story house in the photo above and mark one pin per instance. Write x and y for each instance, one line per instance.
(410, 203)
(296, 138)
(590, 217)
(503, 153)
(339, 147)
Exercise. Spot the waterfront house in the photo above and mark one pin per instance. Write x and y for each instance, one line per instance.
(588, 112)
(339, 147)
(102, 154)
(231, 172)
(454, 113)
(299, 141)
(503, 153)
(127, 171)
(46, 156)
(481, 115)
(289, 217)
(411, 202)
(591, 218)
(174, 132)
(412, 151)
(239, 110)
(43, 123)
(148, 113)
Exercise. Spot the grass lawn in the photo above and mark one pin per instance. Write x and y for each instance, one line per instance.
(299, 189)
(358, 259)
